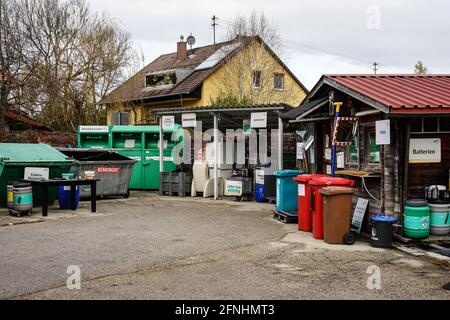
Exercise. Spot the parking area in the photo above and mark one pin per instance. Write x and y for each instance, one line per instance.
(152, 247)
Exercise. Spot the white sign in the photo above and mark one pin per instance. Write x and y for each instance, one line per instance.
(300, 150)
(189, 120)
(129, 143)
(383, 132)
(425, 150)
(327, 154)
(233, 188)
(91, 129)
(301, 190)
(259, 176)
(358, 214)
(36, 173)
(258, 120)
(340, 160)
(168, 122)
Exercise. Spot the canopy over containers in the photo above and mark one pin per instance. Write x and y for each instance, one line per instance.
(113, 170)
(140, 143)
(35, 161)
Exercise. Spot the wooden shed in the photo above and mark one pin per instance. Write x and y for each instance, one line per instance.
(396, 130)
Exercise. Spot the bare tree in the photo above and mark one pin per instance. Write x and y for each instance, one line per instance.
(58, 59)
(249, 72)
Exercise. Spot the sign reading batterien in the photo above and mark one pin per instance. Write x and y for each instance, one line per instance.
(425, 150)
(100, 129)
(189, 120)
(258, 120)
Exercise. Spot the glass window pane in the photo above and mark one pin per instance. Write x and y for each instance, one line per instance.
(430, 124)
(374, 155)
(444, 124)
(416, 125)
(353, 150)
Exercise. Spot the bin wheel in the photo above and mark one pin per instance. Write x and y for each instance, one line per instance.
(349, 238)
(127, 195)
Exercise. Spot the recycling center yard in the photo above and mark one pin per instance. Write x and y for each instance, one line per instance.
(151, 247)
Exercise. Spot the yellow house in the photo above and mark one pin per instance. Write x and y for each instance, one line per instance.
(244, 70)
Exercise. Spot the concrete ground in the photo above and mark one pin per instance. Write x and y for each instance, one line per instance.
(151, 247)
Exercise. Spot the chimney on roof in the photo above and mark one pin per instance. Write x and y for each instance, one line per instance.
(181, 49)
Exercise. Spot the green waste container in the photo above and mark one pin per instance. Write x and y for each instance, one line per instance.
(15, 157)
(95, 137)
(287, 189)
(129, 141)
(141, 143)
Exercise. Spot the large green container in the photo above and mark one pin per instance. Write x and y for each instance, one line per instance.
(15, 157)
(142, 144)
(95, 137)
(416, 219)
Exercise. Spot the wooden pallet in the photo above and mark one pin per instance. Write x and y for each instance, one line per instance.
(285, 217)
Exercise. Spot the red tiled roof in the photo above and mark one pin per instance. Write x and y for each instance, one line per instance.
(21, 117)
(401, 93)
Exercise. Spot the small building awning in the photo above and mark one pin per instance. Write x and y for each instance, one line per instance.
(304, 109)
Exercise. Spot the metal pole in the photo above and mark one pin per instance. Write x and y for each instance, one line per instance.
(216, 151)
(280, 143)
(161, 146)
(334, 147)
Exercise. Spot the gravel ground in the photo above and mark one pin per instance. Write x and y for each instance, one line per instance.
(151, 247)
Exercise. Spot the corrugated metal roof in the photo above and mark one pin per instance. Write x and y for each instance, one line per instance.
(401, 93)
(227, 108)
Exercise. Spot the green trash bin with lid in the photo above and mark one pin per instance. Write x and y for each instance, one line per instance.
(287, 189)
(37, 160)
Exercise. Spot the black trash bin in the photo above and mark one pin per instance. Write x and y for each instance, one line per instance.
(382, 231)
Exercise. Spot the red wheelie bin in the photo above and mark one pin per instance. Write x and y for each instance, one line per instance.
(317, 210)
(304, 200)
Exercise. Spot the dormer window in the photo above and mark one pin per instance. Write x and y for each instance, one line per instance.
(160, 79)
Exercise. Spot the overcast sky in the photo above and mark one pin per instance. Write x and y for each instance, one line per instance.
(321, 36)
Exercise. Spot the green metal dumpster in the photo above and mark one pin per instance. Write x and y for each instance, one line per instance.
(96, 137)
(35, 159)
(151, 156)
(129, 141)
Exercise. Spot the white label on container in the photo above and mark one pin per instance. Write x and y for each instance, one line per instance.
(36, 173)
(102, 129)
(301, 190)
(129, 143)
(259, 177)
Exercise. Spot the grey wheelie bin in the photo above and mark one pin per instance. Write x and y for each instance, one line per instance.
(112, 168)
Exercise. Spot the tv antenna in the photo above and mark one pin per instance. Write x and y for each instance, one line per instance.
(214, 24)
(375, 67)
(190, 40)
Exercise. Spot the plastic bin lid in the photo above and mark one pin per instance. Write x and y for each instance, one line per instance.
(308, 177)
(330, 191)
(332, 181)
(288, 173)
(416, 203)
(384, 218)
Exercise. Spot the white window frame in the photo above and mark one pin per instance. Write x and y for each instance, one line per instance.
(275, 81)
(253, 79)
